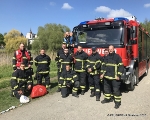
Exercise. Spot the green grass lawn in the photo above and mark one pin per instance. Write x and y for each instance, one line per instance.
(6, 100)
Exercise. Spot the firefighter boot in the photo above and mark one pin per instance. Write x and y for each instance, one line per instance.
(75, 94)
(82, 92)
(92, 93)
(106, 101)
(97, 98)
(111, 98)
(117, 105)
(64, 96)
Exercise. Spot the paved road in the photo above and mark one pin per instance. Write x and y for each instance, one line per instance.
(53, 107)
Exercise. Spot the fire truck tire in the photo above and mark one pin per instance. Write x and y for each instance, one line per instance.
(132, 78)
(137, 75)
(146, 72)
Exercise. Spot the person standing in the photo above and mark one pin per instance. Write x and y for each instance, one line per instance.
(21, 56)
(80, 67)
(42, 62)
(93, 69)
(112, 77)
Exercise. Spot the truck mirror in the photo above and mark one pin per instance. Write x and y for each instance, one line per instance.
(133, 41)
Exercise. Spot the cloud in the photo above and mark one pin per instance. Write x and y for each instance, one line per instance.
(147, 5)
(52, 3)
(113, 13)
(103, 9)
(118, 13)
(67, 6)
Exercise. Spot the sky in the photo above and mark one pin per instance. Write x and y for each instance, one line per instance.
(24, 15)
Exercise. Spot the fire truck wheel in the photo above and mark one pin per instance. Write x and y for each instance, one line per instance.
(132, 78)
(146, 72)
(137, 76)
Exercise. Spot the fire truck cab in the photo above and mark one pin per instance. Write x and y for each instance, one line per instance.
(131, 42)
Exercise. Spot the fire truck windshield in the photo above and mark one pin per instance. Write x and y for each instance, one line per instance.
(105, 35)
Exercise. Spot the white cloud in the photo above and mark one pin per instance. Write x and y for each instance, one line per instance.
(103, 9)
(112, 12)
(52, 3)
(67, 6)
(147, 5)
(118, 13)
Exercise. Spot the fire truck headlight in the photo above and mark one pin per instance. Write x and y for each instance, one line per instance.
(84, 26)
(107, 23)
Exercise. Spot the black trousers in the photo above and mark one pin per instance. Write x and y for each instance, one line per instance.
(94, 84)
(65, 90)
(24, 90)
(46, 77)
(82, 79)
(115, 85)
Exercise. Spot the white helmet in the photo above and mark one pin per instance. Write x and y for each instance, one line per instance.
(24, 99)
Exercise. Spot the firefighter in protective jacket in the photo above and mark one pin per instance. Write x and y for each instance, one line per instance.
(80, 67)
(69, 81)
(112, 71)
(93, 69)
(21, 83)
(21, 56)
(42, 62)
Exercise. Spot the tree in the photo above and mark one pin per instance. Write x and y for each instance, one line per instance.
(146, 25)
(50, 37)
(1, 40)
(13, 39)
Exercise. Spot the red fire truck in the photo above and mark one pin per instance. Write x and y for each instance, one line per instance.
(131, 42)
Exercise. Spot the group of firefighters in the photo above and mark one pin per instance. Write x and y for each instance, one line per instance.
(76, 72)
(22, 81)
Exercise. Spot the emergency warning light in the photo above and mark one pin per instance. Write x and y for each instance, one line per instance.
(83, 23)
(120, 18)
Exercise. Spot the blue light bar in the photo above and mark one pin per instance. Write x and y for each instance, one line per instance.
(121, 18)
(83, 23)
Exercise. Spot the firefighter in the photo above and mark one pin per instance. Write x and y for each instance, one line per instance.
(106, 52)
(93, 69)
(69, 81)
(80, 67)
(21, 56)
(42, 62)
(21, 83)
(57, 59)
(112, 74)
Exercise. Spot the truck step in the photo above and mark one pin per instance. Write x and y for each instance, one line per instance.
(128, 73)
(127, 66)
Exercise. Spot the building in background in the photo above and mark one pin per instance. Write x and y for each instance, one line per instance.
(30, 37)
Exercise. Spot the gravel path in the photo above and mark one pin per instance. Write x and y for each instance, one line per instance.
(53, 107)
